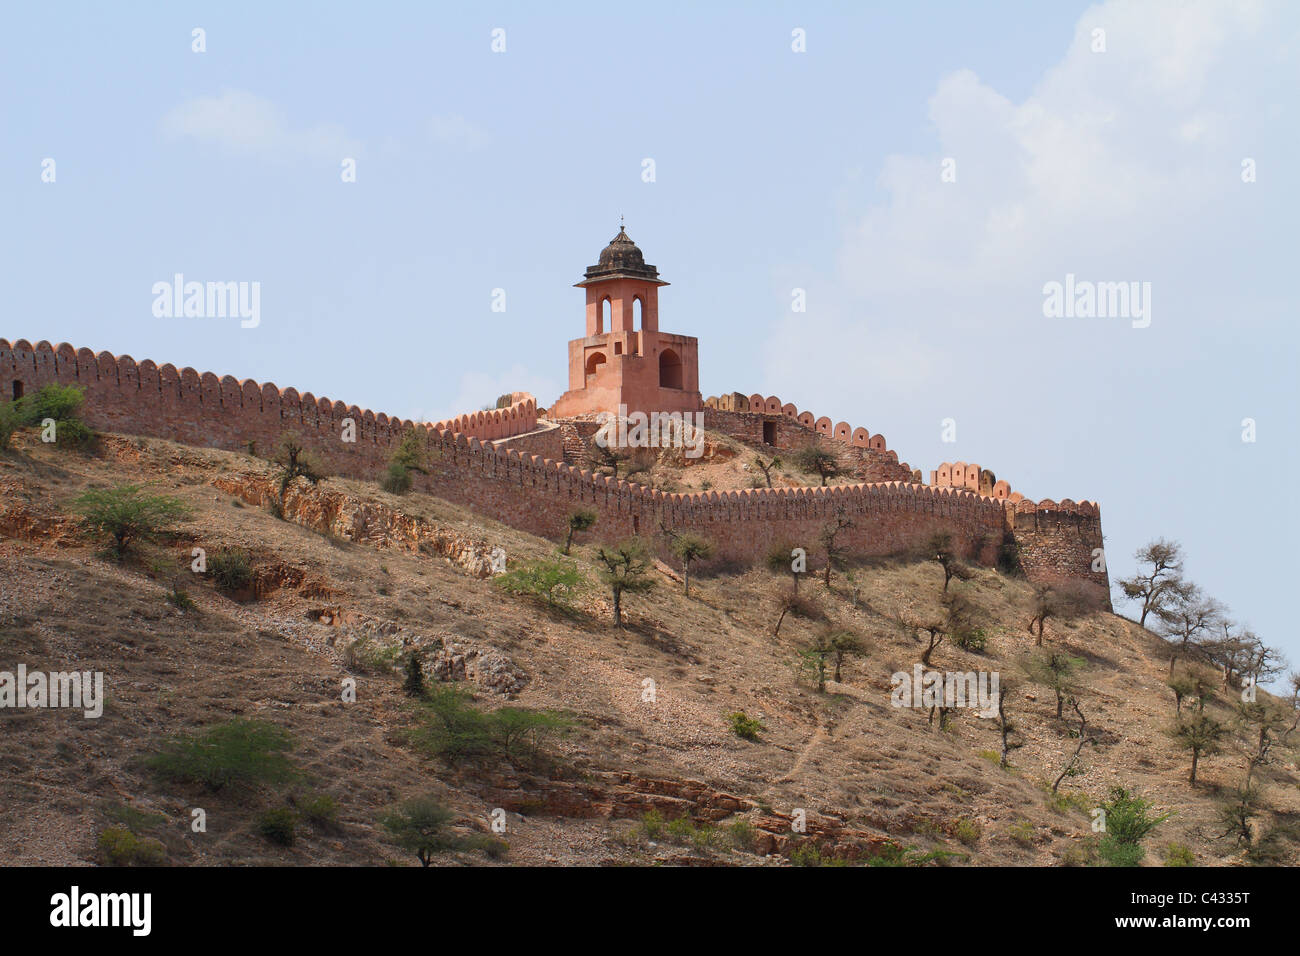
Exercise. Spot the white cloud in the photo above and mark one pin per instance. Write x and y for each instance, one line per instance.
(457, 132)
(243, 123)
(1102, 169)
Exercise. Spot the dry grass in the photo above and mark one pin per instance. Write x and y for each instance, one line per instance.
(845, 756)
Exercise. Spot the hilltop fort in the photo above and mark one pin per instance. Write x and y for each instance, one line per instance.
(529, 467)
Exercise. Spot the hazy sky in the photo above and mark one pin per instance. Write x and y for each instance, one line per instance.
(774, 170)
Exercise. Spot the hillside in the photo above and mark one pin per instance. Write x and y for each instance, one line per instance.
(352, 577)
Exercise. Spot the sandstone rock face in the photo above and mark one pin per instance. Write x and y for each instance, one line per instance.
(446, 658)
(365, 522)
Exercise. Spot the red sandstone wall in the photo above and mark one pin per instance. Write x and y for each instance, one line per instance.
(200, 409)
(535, 493)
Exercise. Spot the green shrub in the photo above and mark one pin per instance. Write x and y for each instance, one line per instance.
(396, 480)
(420, 826)
(488, 845)
(807, 853)
(744, 726)
(743, 833)
(1128, 816)
(414, 684)
(554, 583)
(966, 831)
(451, 726)
(231, 570)
(180, 599)
(1179, 854)
(125, 515)
(971, 639)
(279, 825)
(11, 420)
(1022, 831)
(368, 657)
(1115, 853)
(652, 824)
(520, 735)
(73, 433)
(58, 402)
(319, 809)
(240, 752)
(118, 846)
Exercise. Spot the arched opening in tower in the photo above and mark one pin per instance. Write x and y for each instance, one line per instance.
(670, 369)
(638, 313)
(605, 317)
(595, 362)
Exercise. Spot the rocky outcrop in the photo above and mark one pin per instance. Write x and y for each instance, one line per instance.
(366, 522)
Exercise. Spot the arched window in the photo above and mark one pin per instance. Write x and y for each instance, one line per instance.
(595, 362)
(605, 318)
(638, 313)
(670, 369)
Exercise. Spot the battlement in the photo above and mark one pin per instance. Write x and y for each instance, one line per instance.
(475, 466)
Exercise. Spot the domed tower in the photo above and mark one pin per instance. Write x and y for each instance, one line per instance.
(624, 360)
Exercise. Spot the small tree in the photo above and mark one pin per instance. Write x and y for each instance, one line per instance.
(690, 547)
(1158, 582)
(551, 582)
(766, 466)
(1186, 619)
(607, 454)
(126, 515)
(799, 607)
(414, 684)
(413, 451)
(1056, 670)
(835, 553)
(781, 560)
(625, 569)
(1083, 739)
(1200, 735)
(295, 461)
(936, 629)
(11, 419)
(939, 548)
(844, 644)
(1183, 685)
(815, 459)
(581, 520)
(1005, 726)
(1128, 822)
(813, 660)
(420, 826)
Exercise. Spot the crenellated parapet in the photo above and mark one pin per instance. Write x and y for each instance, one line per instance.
(473, 465)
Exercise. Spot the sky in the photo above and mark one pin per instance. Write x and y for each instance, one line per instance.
(921, 171)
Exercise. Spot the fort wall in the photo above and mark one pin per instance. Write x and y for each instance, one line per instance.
(490, 461)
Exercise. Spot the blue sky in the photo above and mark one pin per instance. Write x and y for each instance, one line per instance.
(774, 170)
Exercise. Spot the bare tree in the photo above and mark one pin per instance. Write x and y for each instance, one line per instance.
(1083, 739)
(834, 553)
(816, 459)
(1005, 727)
(766, 465)
(1189, 618)
(938, 547)
(1158, 581)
